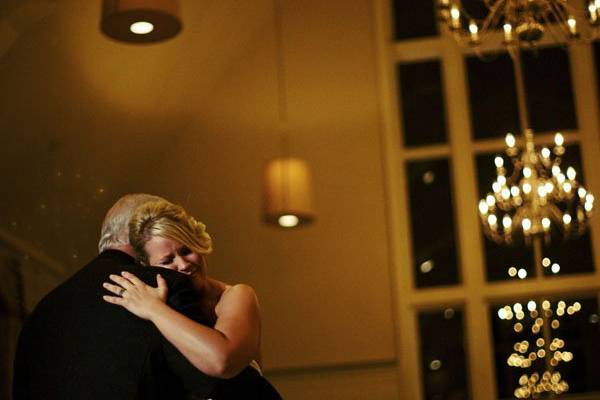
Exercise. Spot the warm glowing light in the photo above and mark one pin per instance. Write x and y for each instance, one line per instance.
(526, 224)
(426, 266)
(141, 27)
(505, 193)
(512, 272)
(492, 220)
(545, 306)
(527, 172)
(522, 273)
(515, 191)
(483, 207)
(490, 200)
(559, 139)
(506, 222)
(428, 177)
(555, 170)
(555, 268)
(455, 14)
(571, 173)
(546, 262)
(531, 305)
(572, 25)
(566, 219)
(473, 28)
(507, 32)
(526, 188)
(581, 192)
(542, 190)
(499, 161)
(589, 198)
(546, 223)
(567, 187)
(288, 221)
(502, 313)
(546, 152)
(510, 140)
(435, 365)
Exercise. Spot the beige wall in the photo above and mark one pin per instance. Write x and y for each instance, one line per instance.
(324, 289)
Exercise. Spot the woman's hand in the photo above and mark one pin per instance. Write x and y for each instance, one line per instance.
(134, 295)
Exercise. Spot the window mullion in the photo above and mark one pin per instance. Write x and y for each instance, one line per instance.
(478, 337)
(587, 109)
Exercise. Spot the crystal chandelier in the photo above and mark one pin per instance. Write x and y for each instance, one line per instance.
(534, 194)
(523, 22)
(541, 322)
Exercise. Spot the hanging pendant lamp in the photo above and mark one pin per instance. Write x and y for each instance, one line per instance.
(287, 191)
(140, 21)
(287, 182)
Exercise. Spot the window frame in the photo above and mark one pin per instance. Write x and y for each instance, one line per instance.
(474, 294)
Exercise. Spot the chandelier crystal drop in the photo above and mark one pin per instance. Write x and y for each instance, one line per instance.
(522, 23)
(534, 195)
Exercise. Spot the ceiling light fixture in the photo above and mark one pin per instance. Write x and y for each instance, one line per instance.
(140, 21)
(287, 180)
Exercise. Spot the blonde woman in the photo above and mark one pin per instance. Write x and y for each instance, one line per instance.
(226, 343)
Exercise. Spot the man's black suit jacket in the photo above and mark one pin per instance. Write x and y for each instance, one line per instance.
(77, 346)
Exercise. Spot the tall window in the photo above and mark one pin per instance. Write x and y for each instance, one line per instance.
(447, 112)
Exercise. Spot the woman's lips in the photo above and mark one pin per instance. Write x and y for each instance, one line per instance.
(190, 270)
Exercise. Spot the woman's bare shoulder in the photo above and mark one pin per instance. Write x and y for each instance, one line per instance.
(237, 296)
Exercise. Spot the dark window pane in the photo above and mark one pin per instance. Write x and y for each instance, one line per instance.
(432, 220)
(515, 335)
(572, 255)
(502, 262)
(443, 355)
(492, 95)
(413, 19)
(549, 91)
(422, 100)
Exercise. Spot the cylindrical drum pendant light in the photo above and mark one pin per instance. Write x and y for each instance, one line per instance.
(287, 193)
(140, 21)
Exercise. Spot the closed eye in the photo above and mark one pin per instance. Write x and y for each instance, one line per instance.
(166, 261)
(184, 251)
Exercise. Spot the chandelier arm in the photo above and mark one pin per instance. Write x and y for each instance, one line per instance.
(551, 28)
(492, 16)
(561, 14)
(490, 3)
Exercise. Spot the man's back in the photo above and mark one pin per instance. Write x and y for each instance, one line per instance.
(76, 346)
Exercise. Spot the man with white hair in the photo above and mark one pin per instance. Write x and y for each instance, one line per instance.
(76, 346)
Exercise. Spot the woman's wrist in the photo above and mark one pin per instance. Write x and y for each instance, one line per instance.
(157, 310)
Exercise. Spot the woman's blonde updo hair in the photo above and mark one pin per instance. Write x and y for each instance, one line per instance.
(161, 218)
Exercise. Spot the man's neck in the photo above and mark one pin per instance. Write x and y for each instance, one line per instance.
(125, 248)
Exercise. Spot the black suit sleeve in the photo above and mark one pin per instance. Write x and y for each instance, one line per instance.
(185, 300)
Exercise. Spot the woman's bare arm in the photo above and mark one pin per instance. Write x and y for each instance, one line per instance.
(221, 352)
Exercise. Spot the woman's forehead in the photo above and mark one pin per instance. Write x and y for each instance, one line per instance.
(162, 244)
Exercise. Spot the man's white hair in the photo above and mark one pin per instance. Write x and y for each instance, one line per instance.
(115, 228)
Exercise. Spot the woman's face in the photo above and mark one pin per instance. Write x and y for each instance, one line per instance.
(169, 253)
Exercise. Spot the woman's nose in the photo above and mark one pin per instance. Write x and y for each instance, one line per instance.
(182, 264)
